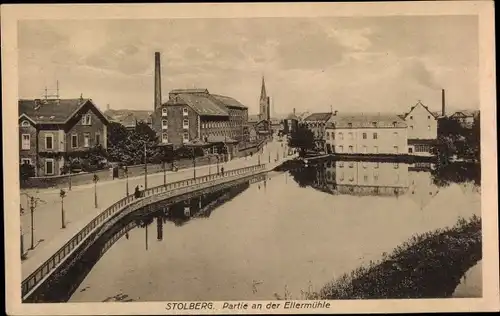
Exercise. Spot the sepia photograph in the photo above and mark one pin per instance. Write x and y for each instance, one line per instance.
(235, 158)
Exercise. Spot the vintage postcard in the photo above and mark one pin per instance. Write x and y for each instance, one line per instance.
(250, 158)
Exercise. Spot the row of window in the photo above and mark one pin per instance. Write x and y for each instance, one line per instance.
(428, 117)
(164, 111)
(351, 135)
(49, 141)
(340, 149)
(49, 165)
(365, 178)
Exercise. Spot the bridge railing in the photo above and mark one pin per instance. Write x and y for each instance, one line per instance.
(39, 274)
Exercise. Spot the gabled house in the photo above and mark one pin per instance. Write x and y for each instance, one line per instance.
(422, 129)
(316, 123)
(129, 118)
(465, 117)
(51, 130)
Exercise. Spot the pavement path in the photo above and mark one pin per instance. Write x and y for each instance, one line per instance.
(79, 208)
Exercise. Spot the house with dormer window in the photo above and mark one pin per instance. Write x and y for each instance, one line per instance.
(50, 130)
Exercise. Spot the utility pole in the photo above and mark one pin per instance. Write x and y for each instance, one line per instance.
(145, 168)
(126, 179)
(194, 165)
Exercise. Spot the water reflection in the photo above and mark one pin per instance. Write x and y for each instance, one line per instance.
(280, 232)
(422, 181)
(179, 214)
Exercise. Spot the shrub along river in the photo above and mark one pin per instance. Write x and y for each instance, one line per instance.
(295, 231)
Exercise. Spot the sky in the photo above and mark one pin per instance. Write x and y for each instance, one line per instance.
(349, 64)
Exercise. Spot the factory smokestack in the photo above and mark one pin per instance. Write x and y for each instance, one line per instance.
(443, 103)
(157, 80)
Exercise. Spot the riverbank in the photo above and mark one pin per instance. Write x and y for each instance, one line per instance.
(430, 265)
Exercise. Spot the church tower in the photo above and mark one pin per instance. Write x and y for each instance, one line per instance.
(264, 113)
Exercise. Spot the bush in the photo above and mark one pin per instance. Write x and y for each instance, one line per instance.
(429, 265)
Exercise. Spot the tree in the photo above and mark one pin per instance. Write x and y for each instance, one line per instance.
(302, 138)
(26, 171)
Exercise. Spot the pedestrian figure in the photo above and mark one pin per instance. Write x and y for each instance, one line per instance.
(137, 193)
(222, 171)
(142, 191)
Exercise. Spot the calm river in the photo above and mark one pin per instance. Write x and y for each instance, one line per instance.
(296, 230)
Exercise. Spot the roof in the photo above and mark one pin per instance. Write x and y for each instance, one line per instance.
(366, 120)
(292, 117)
(424, 106)
(466, 113)
(52, 111)
(189, 91)
(319, 117)
(203, 104)
(129, 117)
(228, 101)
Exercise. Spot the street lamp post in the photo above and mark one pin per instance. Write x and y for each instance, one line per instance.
(21, 231)
(32, 211)
(126, 179)
(194, 164)
(62, 194)
(164, 173)
(145, 168)
(95, 179)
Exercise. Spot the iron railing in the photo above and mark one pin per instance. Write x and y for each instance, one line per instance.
(48, 266)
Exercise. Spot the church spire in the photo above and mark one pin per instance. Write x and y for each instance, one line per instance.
(263, 94)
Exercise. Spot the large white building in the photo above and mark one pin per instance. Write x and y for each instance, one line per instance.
(366, 134)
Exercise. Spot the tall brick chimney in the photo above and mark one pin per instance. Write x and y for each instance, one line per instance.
(443, 102)
(157, 80)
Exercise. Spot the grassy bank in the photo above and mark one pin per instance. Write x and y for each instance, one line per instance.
(429, 265)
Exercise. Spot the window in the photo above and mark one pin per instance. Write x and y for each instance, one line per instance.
(164, 112)
(74, 141)
(49, 141)
(351, 164)
(26, 161)
(164, 138)
(411, 127)
(185, 123)
(49, 167)
(341, 178)
(350, 149)
(375, 149)
(377, 164)
(411, 117)
(341, 136)
(365, 178)
(351, 136)
(185, 137)
(364, 135)
(428, 127)
(410, 150)
(394, 124)
(375, 177)
(396, 150)
(26, 142)
(327, 134)
(349, 125)
(333, 136)
(395, 134)
(164, 124)
(374, 124)
(365, 150)
(97, 138)
(341, 164)
(86, 119)
(341, 148)
(396, 165)
(428, 117)
(86, 140)
(375, 136)
(185, 111)
(25, 123)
